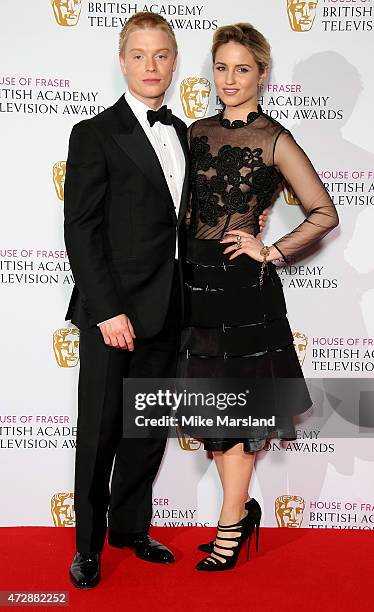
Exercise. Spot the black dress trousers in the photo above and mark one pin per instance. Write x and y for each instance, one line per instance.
(99, 434)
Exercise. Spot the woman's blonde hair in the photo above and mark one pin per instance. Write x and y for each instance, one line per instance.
(142, 20)
(244, 34)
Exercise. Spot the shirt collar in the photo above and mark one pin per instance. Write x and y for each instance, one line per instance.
(138, 108)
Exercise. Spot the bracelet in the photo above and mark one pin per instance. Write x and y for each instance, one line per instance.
(265, 252)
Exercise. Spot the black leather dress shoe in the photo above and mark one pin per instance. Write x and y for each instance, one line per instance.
(85, 570)
(144, 546)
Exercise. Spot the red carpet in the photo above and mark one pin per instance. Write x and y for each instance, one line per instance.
(304, 570)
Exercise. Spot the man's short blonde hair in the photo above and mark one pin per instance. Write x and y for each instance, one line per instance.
(143, 20)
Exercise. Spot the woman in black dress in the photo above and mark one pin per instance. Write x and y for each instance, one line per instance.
(236, 322)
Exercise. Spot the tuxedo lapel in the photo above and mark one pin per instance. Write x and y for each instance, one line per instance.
(134, 142)
(181, 132)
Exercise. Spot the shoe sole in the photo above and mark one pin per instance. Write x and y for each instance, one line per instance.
(84, 588)
(155, 561)
(224, 569)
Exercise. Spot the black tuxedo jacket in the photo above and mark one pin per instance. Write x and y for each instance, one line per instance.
(120, 222)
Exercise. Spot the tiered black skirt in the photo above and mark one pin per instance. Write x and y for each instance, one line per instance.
(236, 329)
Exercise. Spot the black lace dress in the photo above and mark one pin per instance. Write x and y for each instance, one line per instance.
(236, 326)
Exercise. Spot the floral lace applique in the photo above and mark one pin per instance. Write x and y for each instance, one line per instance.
(221, 194)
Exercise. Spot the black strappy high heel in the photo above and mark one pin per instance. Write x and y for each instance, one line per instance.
(221, 562)
(254, 515)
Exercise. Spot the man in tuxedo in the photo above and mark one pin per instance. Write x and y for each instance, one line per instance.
(125, 197)
(126, 191)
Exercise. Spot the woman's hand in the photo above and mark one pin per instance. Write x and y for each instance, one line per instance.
(244, 244)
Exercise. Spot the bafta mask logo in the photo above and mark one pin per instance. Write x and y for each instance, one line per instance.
(186, 442)
(59, 172)
(62, 509)
(195, 92)
(300, 342)
(289, 196)
(66, 347)
(301, 15)
(289, 510)
(67, 12)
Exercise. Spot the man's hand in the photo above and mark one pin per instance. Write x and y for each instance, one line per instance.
(262, 221)
(118, 332)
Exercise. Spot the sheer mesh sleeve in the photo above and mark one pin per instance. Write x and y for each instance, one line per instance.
(322, 217)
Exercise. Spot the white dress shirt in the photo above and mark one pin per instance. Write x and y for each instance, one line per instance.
(168, 149)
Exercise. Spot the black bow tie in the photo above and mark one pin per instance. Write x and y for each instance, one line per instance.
(163, 115)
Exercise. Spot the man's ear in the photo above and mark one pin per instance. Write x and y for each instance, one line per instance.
(122, 64)
(175, 61)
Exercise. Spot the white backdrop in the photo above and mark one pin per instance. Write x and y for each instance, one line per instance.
(58, 66)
